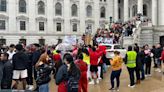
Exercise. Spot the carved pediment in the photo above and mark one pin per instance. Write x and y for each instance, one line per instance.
(74, 20)
(89, 21)
(41, 18)
(58, 19)
(2, 16)
(22, 17)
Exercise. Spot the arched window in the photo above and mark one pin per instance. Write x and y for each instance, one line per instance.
(89, 11)
(41, 7)
(2, 5)
(22, 6)
(145, 10)
(102, 12)
(74, 10)
(134, 10)
(58, 9)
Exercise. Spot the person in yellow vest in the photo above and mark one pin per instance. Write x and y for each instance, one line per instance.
(130, 61)
(116, 64)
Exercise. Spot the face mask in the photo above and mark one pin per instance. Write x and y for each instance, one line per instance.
(68, 66)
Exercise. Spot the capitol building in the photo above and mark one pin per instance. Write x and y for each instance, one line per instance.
(43, 21)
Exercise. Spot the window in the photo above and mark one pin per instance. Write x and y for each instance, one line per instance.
(102, 12)
(119, 13)
(41, 26)
(58, 27)
(22, 6)
(74, 10)
(89, 11)
(2, 42)
(2, 25)
(117, 47)
(22, 41)
(2, 5)
(22, 25)
(145, 10)
(119, 1)
(134, 10)
(42, 42)
(58, 9)
(41, 7)
(74, 27)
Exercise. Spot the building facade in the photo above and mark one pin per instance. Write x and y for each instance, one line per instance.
(44, 21)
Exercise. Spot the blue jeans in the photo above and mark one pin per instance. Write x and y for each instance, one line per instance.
(44, 88)
(115, 74)
(142, 72)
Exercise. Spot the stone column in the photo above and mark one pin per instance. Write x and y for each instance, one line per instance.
(140, 6)
(115, 10)
(154, 12)
(126, 10)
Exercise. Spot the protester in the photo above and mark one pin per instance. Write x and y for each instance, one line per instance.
(1, 70)
(7, 72)
(153, 51)
(43, 73)
(130, 61)
(141, 63)
(139, 66)
(162, 58)
(29, 69)
(157, 55)
(73, 73)
(35, 57)
(20, 62)
(11, 51)
(94, 56)
(86, 59)
(61, 78)
(147, 59)
(116, 64)
(83, 82)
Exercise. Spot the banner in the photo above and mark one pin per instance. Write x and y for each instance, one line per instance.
(70, 40)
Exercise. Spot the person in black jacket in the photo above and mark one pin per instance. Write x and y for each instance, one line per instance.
(1, 69)
(139, 65)
(43, 69)
(157, 55)
(7, 72)
(20, 62)
(73, 73)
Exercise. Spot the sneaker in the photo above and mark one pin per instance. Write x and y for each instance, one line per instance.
(111, 89)
(91, 82)
(97, 81)
(100, 78)
(31, 87)
(117, 89)
(131, 86)
(146, 75)
(149, 75)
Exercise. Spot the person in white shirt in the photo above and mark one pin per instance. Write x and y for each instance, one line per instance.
(11, 51)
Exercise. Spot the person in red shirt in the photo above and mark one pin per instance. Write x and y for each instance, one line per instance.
(94, 57)
(100, 61)
(162, 58)
(83, 82)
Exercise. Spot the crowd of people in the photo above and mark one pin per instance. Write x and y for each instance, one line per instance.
(75, 69)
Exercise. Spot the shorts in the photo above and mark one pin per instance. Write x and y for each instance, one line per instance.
(93, 68)
(20, 74)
